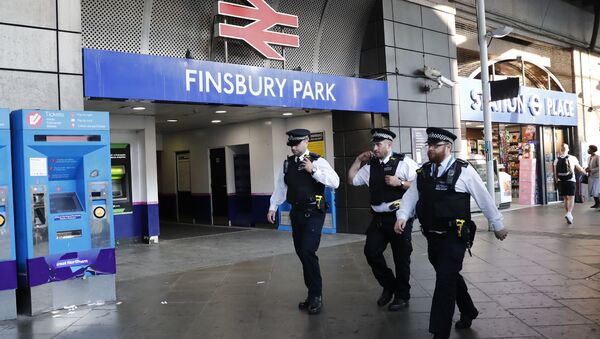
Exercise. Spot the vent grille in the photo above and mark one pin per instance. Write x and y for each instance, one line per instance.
(114, 25)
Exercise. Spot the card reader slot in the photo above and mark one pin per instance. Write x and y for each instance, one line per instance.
(68, 234)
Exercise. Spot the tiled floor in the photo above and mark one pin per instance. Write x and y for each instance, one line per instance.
(542, 282)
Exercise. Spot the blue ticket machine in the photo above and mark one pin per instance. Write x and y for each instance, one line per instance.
(330, 224)
(8, 263)
(63, 201)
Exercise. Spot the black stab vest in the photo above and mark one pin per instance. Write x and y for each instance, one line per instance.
(439, 204)
(302, 187)
(380, 192)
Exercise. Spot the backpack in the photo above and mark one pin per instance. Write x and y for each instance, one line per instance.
(563, 169)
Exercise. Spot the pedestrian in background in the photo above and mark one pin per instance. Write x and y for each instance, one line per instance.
(593, 172)
(565, 166)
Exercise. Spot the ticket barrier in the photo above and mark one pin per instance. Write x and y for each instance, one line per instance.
(8, 263)
(63, 199)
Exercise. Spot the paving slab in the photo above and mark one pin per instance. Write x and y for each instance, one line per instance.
(542, 282)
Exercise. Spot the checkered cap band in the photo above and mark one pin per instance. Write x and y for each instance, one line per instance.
(292, 138)
(381, 136)
(439, 136)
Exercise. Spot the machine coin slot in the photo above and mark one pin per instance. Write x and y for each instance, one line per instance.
(96, 194)
(99, 212)
(68, 234)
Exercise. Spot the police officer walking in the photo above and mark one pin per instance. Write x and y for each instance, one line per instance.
(301, 181)
(441, 198)
(388, 176)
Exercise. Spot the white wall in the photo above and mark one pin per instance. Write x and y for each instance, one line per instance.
(587, 86)
(267, 147)
(139, 132)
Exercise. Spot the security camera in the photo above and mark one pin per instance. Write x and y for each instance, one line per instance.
(432, 73)
(445, 81)
(435, 75)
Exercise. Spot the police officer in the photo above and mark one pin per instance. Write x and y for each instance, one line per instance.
(301, 181)
(441, 198)
(388, 176)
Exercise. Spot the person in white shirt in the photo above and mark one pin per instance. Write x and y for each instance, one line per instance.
(301, 181)
(441, 199)
(388, 176)
(565, 166)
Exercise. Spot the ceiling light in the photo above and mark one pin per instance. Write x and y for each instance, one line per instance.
(139, 108)
(287, 114)
(172, 120)
(220, 112)
(215, 121)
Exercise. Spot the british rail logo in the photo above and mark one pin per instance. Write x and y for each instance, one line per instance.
(257, 33)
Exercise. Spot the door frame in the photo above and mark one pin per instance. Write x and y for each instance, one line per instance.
(177, 154)
(210, 181)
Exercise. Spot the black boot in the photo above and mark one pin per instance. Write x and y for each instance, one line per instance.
(314, 305)
(385, 298)
(596, 203)
(398, 304)
(303, 305)
(466, 320)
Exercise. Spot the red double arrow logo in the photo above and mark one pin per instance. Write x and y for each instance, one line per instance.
(257, 33)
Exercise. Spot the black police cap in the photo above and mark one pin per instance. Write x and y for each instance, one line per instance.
(435, 135)
(379, 134)
(295, 136)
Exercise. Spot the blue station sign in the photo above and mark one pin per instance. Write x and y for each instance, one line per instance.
(118, 75)
(532, 106)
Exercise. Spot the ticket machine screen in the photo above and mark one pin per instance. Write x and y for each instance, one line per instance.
(64, 202)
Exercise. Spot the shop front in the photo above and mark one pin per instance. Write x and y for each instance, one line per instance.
(527, 133)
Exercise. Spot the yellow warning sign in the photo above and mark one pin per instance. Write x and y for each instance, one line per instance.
(316, 143)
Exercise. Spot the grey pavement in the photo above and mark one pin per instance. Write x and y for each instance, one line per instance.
(543, 281)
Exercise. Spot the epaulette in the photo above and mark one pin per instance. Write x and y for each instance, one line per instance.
(426, 164)
(399, 156)
(462, 162)
(313, 156)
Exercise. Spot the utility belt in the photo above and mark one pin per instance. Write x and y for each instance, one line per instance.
(465, 230)
(318, 202)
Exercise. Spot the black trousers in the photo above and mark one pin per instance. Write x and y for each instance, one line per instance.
(306, 231)
(446, 253)
(379, 234)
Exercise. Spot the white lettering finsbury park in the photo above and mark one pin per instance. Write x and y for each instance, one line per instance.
(533, 104)
(258, 86)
